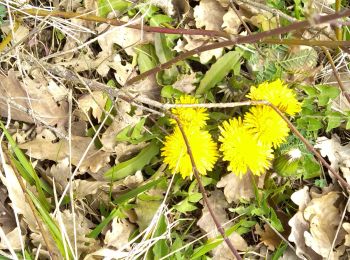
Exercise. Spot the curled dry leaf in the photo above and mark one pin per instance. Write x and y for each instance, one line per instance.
(44, 149)
(94, 101)
(33, 96)
(236, 189)
(118, 236)
(17, 197)
(193, 41)
(123, 36)
(13, 238)
(337, 154)
(231, 22)
(202, 17)
(186, 83)
(206, 223)
(314, 226)
(268, 236)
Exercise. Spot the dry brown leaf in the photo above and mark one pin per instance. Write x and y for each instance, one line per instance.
(17, 197)
(94, 101)
(337, 154)
(83, 188)
(314, 226)
(7, 218)
(186, 83)
(33, 96)
(324, 218)
(206, 223)
(231, 22)
(119, 234)
(13, 238)
(123, 36)
(208, 14)
(268, 236)
(44, 149)
(236, 189)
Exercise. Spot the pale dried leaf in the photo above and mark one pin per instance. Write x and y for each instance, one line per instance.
(337, 154)
(43, 149)
(83, 188)
(236, 189)
(60, 173)
(218, 203)
(58, 92)
(94, 101)
(123, 36)
(17, 197)
(231, 22)
(34, 96)
(14, 240)
(208, 14)
(301, 197)
(298, 226)
(119, 234)
(324, 218)
(186, 83)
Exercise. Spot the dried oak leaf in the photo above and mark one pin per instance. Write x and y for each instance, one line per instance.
(206, 223)
(314, 226)
(94, 101)
(236, 188)
(208, 14)
(45, 149)
(268, 236)
(337, 154)
(118, 236)
(33, 96)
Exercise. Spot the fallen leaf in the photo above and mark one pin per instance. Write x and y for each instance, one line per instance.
(337, 154)
(44, 149)
(231, 22)
(218, 203)
(118, 236)
(314, 226)
(268, 236)
(123, 36)
(13, 238)
(94, 101)
(236, 189)
(203, 19)
(33, 96)
(324, 218)
(186, 83)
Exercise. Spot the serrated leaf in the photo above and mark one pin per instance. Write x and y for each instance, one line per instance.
(123, 169)
(218, 71)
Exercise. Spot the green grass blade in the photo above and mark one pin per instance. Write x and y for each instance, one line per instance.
(27, 166)
(123, 169)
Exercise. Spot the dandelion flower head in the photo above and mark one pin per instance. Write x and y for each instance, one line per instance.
(266, 125)
(203, 148)
(195, 117)
(242, 150)
(278, 94)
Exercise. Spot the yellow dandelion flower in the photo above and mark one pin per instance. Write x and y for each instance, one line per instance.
(278, 94)
(203, 148)
(195, 117)
(266, 125)
(242, 150)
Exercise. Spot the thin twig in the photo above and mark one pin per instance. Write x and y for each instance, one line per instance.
(205, 198)
(336, 75)
(248, 39)
(31, 204)
(116, 22)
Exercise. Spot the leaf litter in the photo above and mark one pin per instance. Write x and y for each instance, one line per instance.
(99, 217)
